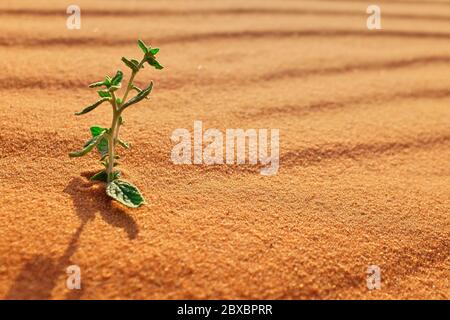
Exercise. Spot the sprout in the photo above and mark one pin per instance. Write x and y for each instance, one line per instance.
(106, 139)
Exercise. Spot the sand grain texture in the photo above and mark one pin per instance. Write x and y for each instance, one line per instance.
(365, 151)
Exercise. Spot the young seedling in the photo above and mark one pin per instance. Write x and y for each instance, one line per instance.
(106, 139)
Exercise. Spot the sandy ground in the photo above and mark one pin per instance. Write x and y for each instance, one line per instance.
(365, 151)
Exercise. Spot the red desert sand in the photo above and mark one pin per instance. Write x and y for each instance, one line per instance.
(364, 177)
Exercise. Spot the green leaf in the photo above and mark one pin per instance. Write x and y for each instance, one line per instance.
(91, 107)
(124, 144)
(117, 78)
(154, 63)
(102, 146)
(116, 175)
(125, 192)
(143, 46)
(104, 94)
(95, 130)
(130, 64)
(141, 95)
(107, 81)
(88, 146)
(138, 90)
(102, 176)
(97, 84)
(154, 51)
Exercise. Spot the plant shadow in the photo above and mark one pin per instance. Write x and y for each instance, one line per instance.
(39, 275)
(90, 198)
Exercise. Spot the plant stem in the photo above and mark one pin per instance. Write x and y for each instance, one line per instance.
(130, 82)
(111, 147)
(114, 131)
(112, 138)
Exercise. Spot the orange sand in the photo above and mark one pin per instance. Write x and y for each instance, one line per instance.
(365, 151)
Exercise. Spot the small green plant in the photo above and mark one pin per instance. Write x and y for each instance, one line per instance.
(106, 139)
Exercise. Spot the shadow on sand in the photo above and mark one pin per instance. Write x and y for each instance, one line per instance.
(39, 275)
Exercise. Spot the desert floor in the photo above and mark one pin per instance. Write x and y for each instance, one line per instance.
(365, 151)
